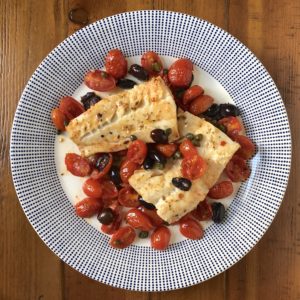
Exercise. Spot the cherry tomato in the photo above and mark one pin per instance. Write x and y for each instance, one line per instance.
(200, 104)
(138, 220)
(116, 64)
(88, 207)
(232, 124)
(109, 190)
(237, 169)
(77, 165)
(127, 169)
(181, 72)
(221, 190)
(103, 164)
(192, 93)
(114, 226)
(70, 107)
(99, 81)
(191, 229)
(92, 188)
(164, 75)
(160, 238)
(151, 62)
(137, 152)
(193, 167)
(187, 149)
(59, 119)
(247, 147)
(128, 197)
(152, 214)
(123, 237)
(203, 211)
(166, 149)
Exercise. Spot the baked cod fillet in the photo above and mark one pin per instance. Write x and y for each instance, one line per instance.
(108, 125)
(155, 186)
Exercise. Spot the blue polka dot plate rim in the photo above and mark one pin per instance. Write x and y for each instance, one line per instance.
(188, 262)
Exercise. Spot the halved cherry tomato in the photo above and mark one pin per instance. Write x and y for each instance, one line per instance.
(192, 93)
(221, 190)
(128, 197)
(99, 81)
(59, 119)
(109, 190)
(166, 149)
(160, 238)
(70, 107)
(152, 214)
(203, 211)
(232, 124)
(191, 229)
(114, 226)
(181, 72)
(103, 163)
(237, 169)
(77, 165)
(88, 207)
(187, 149)
(127, 169)
(151, 62)
(247, 147)
(116, 64)
(137, 152)
(200, 104)
(193, 167)
(138, 220)
(92, 188)
(123, 237)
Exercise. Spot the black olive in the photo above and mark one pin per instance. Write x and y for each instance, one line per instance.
(139, 72)
(89, 99)
(182, 183)
(159, 136)
(126, 83)
(146, 204)
(213, 111)
(218, 210)
(227, 110)
(106, 216)
(114, 175)
(148, 163)
(102, 161)
(157, 156)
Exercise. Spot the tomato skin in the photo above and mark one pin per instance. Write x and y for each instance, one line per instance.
(114, 226)
(232, 124)
(92, 188)
(187, 149)
(59, 119)
(200, 104)
(99, 81)
(247, 149)
(123, 237)
(116, 64)
(77, 165)
(193, 167)
(128, 197)
(237, 169)
(88, 207)
(109, 190)
(160, 238)
(166, 149)
(203, 211)
(151, 62)
(153, 216)
(136, 219)
(127, 169)
(192, 93)
(181, 72)
(221, 190)
(137, 152)
(70, 107)
(97, 174)
(191, 229)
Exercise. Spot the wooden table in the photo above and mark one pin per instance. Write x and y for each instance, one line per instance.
(29, 30)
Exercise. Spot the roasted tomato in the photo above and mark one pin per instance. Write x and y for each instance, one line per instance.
(127, 169)
(152, 214)
(166, 149)
(92, 188)
(114, 226)
(99, 81)
(123, 237)
(70, 107)
(203, 211)
(151, 62)
(109, 190)
(88, 207)
(200, 104)
(160, 238)
(138, 220)
(128, 197)
(221, 190)
(237, 169)
(192, 93)
(103, 163)
(247, 149)
(77, 165)
(191, 229)
(59, 119)
(232, 124)
(180, 73)
(116, 64)
(193, 167)
(137, 152)
(187, 149)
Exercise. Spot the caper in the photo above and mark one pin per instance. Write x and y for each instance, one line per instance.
(143, 234)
